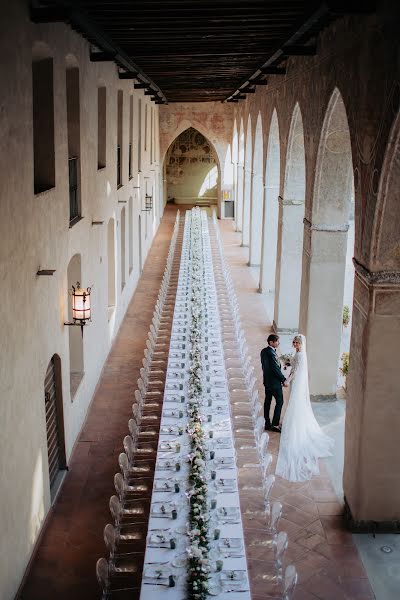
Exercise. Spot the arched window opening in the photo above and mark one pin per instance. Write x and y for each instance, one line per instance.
(43, 123)
(271, 212)
(101, 127)
(74, 140)
(248, 161)
(123, 237)
(192, 170)
(130, 221)
(240, 179)
(257, 200)
(54, 424)
(290, 231)
(140, 243)
(76, 362)
(111, 266)
(328, 273)
(228, 186)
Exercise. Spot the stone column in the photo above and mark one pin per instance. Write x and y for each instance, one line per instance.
(248, 174)
(371, 467)
(288, 265)
(324, 264)
(256, 216)
(269, 239)
(239, 196)
(234, 190)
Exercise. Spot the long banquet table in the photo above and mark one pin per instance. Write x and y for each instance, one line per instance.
(167, 541)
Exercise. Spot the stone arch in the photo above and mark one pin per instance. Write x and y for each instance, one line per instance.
(325, 248)
(257, 197)
(248, 167)
(371, 479)
(183, 126)
(271, 211)
(385, 239)
(196, 167)
(240, 179)
(290, 230)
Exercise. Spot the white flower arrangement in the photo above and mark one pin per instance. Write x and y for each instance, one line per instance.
(198, 549)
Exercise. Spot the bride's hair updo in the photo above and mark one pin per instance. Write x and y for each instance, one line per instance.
(297, 338)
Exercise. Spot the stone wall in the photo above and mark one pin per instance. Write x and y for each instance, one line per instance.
(356, 60)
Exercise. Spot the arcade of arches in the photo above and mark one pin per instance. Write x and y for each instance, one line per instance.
(304, 174)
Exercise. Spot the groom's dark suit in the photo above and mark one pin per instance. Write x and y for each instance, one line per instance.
(272, 379)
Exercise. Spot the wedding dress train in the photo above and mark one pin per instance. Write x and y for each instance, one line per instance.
(302, 440)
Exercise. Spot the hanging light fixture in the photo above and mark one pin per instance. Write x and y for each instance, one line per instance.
(81, 306)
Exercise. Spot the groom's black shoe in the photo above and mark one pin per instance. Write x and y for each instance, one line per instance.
(267, 427)
(276, 428)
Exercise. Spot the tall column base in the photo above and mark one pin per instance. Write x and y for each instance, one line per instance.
(284, 330)
(356, 526)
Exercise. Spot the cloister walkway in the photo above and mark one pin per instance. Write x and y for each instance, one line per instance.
(64, 565)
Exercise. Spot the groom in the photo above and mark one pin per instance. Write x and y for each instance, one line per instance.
(273, 380)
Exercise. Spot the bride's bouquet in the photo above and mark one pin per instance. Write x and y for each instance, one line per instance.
(286, 360)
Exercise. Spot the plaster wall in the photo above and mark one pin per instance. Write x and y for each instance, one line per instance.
(35, 234)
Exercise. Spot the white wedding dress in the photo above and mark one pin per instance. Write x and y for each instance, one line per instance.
(302, 440)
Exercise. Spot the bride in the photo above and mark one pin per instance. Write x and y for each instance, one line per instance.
(302, 439)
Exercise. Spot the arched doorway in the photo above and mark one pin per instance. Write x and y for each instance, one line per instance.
(140, 243)
(248, 163)
(240, 179)
(325, 249)
(271, 213)
(123, 249)
(54, 422)
(192, 170)
(111, 267)
(290, 231)
(257, 198)
(75, 339)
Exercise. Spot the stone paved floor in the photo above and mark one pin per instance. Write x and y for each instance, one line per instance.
(63, 568)
(323, 551)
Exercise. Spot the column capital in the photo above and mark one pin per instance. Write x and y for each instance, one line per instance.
(341, 228)
(376, 278)
(289, 201)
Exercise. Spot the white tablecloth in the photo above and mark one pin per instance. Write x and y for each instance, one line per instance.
(173, 448)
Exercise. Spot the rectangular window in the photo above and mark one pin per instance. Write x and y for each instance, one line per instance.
(74, 142)
(151, 135)
(120, 108)
(73, 189)
(119, 179)
(130, 161)
(43, 125)
(101, 127)
(145, 128)
(140, 136)
(130, 165)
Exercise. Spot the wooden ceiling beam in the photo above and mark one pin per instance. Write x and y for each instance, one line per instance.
(299, 50)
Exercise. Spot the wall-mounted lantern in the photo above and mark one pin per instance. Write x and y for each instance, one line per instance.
(148, 203)
(81, 306)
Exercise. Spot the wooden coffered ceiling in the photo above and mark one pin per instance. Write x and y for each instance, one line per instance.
(197, 50)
